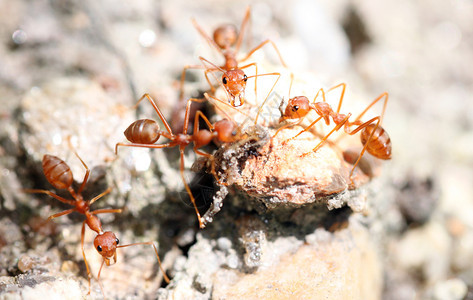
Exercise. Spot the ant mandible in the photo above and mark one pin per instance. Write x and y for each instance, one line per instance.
(234, 79)
(374, 138)
(145, 133)
(59, 175)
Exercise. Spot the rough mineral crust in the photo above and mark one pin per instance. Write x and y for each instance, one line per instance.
(319, 265)
(273, 170)
(75, 109)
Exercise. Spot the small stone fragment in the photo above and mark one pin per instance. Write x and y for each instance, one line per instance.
(26, 263)
(253, 239)
(70, 267)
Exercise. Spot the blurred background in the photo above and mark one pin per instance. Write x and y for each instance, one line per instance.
(102, 56)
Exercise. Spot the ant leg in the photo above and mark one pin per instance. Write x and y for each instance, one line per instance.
(107, 211)
(206, 74)
(166, 278)
(206, 61)
(260, 46)
(213, 69)
(208, 97)
(304, 130)
(86, 176)
(186, 115)
(214, 173)
(336, 128)
(183, 78)
(63, 213)
(281, 111)
(98, 278)
(290, 86)
(342, 95)
(203, 117)
(212, 162)
(269, 93)
(256, 78)
(384, 95)
(322, 92)
(246, 18)
(156, 108)
(49, 193)
(197, 129)
(100, 195)
(206, 37)
(288, 125)
(201, 225)
(142, 145)
(197, 151)
(89, 274)
(375, 119)
(87, 170)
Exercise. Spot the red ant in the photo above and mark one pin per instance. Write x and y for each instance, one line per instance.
(233, 79)
(145, 133)
(59, 175)
(374, 138)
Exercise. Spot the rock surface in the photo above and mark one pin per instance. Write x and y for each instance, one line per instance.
(273, 169)
(330, 266)
(317, 265)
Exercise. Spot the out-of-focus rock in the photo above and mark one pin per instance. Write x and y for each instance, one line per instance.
(425, 249)
(450, 289)
(417, 199)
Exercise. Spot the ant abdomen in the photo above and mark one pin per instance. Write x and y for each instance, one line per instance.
(144, 131)
(57, 172)
(380, 144)
(225, 36)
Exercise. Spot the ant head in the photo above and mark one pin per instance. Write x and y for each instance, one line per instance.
(225, 36)
(57, 172)
(226, 130)
(234, 82)
(143, 131)
(297, 107)
(106, 245)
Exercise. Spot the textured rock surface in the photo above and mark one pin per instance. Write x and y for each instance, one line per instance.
(316, 265)
(77, 109)
(329, 266)
(273, 169)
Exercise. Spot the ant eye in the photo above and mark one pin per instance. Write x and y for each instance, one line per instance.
(295, 108)
(224, 80)
(99, 248)
(117, 241)
(245, 78)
